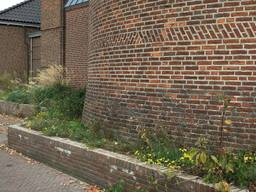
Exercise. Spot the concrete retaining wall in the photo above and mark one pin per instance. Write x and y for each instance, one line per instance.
(19, 110)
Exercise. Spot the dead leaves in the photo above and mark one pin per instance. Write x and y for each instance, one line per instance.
(12, 152)
(8, 120)
(252, 187)
(93, 189)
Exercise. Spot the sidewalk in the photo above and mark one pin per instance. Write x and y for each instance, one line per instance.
(21, 174)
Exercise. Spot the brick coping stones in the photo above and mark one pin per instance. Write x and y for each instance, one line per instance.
(16, 109)
(99, 166)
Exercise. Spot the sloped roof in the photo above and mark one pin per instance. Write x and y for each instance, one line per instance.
(75, 2)
(26, 13)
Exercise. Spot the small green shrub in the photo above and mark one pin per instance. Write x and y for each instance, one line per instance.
(19, 95)
(60, 109)
(238, 167)
(61, 98)
(52, 123)
(155, 147)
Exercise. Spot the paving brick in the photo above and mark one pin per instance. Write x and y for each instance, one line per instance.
(21, 174)
(16, 174)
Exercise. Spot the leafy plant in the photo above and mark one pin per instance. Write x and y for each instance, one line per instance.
(217, 168)
(155, 147)
(19, 95)
(196, 159)
(62, 98)
(201, 156)
(120, 187)
(52, 123)
(225, 104)
(244, 165)
(238, 167)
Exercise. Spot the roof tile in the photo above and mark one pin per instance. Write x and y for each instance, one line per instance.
(27, 12)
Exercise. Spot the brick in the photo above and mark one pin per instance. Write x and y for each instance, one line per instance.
(14, 38)
(77, 43)
(212, 53)
(52, 44)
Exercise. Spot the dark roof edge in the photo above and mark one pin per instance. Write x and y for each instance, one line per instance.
(15, 6)
(77, 6)
(20, 24)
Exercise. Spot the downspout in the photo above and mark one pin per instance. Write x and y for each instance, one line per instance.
(31, 60)
(63, 36)
(28, 53)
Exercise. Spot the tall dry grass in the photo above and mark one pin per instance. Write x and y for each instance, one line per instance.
(53, 75)
(8, 81)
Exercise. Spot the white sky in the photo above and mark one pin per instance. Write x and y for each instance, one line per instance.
(8, 3)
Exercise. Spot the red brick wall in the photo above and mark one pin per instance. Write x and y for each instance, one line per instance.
(14, 50)
(52, 32)
(76, 48)
(161, 63)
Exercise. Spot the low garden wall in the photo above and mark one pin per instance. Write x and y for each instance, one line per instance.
(16, 109)
(98, 166)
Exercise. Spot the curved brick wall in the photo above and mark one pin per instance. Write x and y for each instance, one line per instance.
(161, 63)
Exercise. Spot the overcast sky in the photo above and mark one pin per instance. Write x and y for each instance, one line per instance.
(8, 3)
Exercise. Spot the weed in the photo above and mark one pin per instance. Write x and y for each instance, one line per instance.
(155, 147)
(120, 187)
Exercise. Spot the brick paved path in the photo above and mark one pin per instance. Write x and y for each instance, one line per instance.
(21, 174)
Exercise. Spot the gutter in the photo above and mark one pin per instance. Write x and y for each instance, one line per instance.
(35, 34)
(9, 23)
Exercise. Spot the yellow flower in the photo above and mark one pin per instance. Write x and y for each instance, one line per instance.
(228, 122)
(247, 158)
(188, 156)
